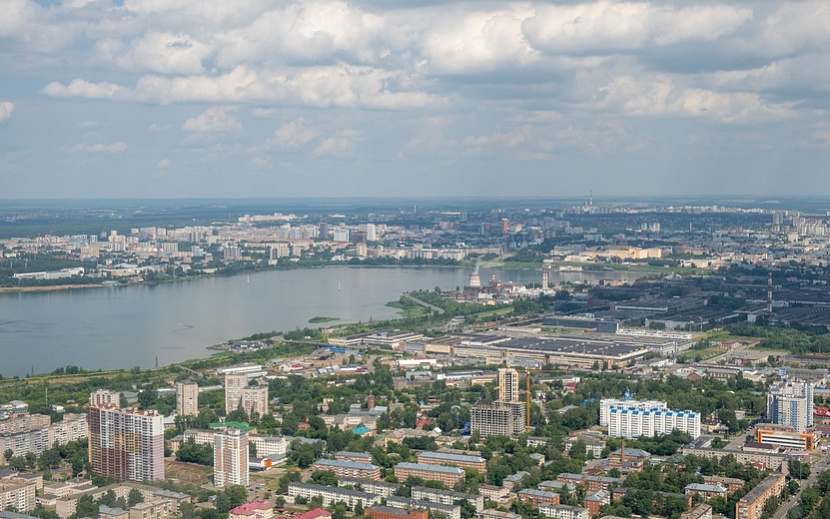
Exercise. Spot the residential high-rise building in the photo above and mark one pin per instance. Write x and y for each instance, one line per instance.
(634, 419)
(104, 397)
(508, 385)
(500, 418)
(233, 391)
(187, 398)
(790, 402)
(230, 457)
(606, 404)
(126, 444)
(254, 398)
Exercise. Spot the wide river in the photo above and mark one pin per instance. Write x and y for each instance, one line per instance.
(103, 328)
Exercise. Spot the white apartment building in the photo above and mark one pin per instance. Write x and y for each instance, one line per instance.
(790, 402)
(633, 422)
(606, 404)
(564, 512)
(332, 494)
(104, 397)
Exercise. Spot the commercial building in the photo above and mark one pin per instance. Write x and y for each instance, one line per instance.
(498, 418)
(805, 441)
(230, 457)
(331, 495)
(126, 444)
(187, 398)
(455, 460)
(349, 469)
(267, 446)
(633, 422)
(790, 402)
(449, 476)
(751, 506)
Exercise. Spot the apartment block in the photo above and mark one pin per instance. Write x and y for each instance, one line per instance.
(790, 402)
(606, 404)
(633, 422)
(18, 493)
(349, 469)
(449, 476)
(126, 444)
(187, 398)
(751, 506)
(332, 494)
(230, 457)
(498, 418)
(388, 512)
(447, 497)
(564, 512)
(455, 460)
(538, 497)
(448, 511)
(380, 488)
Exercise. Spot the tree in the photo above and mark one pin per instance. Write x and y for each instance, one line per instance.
(279, 501)
(358, 508)
(134, 497)
(7, 455)
(324, 477)
(809, 499)
(86, 507)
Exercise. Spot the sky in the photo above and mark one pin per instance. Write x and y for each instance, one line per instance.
(390, 98)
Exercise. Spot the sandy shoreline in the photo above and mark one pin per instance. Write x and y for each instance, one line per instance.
(51, 288)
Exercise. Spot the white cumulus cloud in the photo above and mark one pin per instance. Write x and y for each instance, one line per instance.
(116, 147)
(6, 109)
(214, 119)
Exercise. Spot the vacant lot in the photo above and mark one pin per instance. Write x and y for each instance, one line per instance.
(187, 472)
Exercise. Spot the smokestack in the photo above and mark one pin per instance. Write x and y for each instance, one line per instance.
(769, 296)
(622, 453)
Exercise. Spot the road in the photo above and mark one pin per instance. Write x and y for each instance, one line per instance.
(816, 469)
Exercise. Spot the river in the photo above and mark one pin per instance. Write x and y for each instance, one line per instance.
(122, 327)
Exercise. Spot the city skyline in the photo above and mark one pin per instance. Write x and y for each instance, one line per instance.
(103, 99)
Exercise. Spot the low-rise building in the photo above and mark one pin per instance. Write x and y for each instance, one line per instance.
(449, 511)
(447, 497)
(538, 497)
(381, 488)
(751, 506)
(449, 476)
(349, 469)
(331, 495)
(705, 490)
(456, 460)
(17, 493)
(152, 509)
(564, 512)
(389, 512)
(594, 501)
(252, 510)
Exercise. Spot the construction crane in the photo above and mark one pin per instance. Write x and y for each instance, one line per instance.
(528, 375)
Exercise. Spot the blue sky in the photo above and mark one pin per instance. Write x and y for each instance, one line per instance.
(218, 98)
